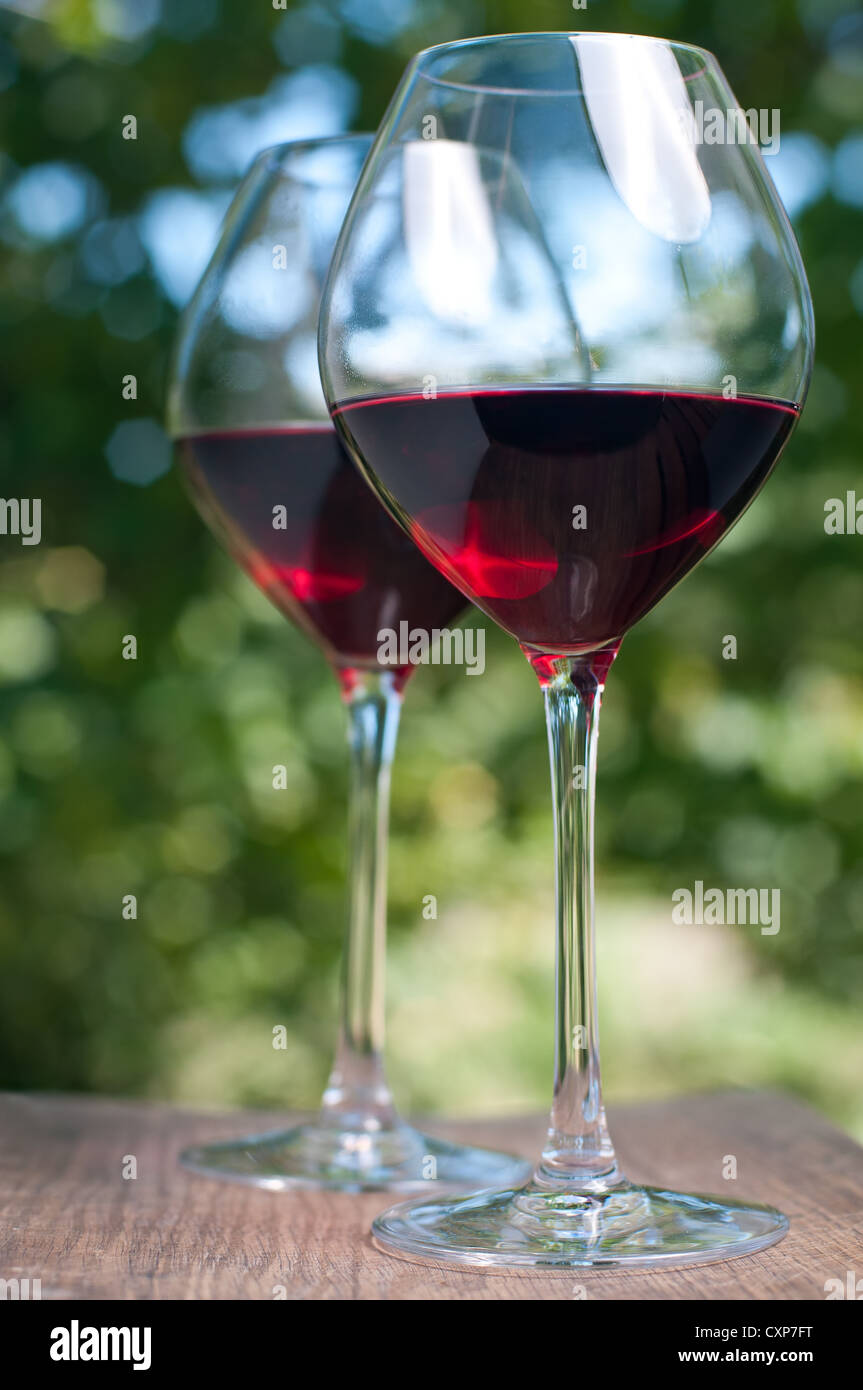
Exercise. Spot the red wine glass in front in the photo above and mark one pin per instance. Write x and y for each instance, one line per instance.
(268, 473)
(566, 477)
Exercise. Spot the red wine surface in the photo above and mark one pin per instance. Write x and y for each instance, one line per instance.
(566, 513)
(334, 561)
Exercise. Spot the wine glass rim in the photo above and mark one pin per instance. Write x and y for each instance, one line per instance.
(420, 60)
(273, 156)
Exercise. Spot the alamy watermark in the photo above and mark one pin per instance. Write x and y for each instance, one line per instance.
(706, 907)
(440, 646)
(714, 126)
(77, 1343)
(20, 1290)
(21, 516)
(843, 516)
(850, 1287)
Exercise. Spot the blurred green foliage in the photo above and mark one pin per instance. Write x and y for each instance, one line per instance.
(153, 776)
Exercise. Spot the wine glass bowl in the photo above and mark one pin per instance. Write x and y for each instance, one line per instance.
(257, 448)
(567, 513)
(566, 334)
(693, 329)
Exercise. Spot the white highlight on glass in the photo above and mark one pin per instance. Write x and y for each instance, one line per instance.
(448, 228)
(640, 113)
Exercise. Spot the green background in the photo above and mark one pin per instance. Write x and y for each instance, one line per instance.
(154, 776)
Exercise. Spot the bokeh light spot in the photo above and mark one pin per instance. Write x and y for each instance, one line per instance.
(27, 644)
(51, 201)
(139, 452)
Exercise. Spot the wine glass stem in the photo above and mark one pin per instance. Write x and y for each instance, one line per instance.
(578, 1149)
(357, 1091)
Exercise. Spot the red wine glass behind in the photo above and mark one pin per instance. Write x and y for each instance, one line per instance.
(294, 512)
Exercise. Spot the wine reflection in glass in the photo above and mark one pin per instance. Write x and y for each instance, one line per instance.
(565, 481)
(268, 474)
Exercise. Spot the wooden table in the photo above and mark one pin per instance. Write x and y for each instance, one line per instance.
(70, 1218)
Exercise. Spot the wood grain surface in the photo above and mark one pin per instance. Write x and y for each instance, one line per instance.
(70, 1218)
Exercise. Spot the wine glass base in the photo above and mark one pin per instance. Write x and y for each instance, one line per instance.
(353, 1159)
(624, 1225)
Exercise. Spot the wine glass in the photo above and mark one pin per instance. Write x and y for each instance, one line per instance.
(565, 492)
(267, 472)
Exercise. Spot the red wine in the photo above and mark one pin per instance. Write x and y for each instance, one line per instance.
(566, 513)
(294, 512)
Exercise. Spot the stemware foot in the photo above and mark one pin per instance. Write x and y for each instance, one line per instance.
(620, 1225)
(353, 1158)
